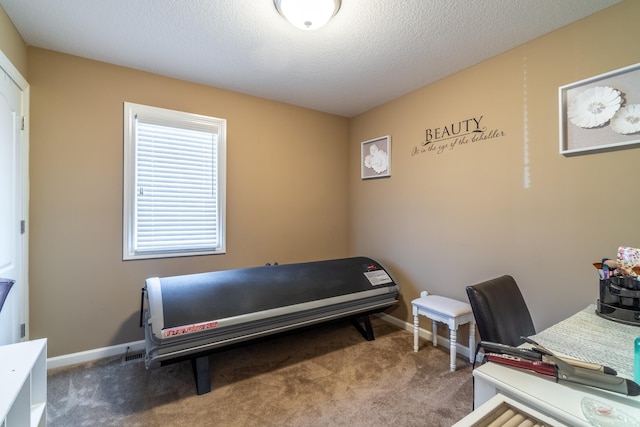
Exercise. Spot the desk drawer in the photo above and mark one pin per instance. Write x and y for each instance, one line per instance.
(503, 411)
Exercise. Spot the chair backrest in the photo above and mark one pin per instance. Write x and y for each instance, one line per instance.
(501, 313)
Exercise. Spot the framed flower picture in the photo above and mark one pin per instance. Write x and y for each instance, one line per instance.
(601, 113)
(375, 159)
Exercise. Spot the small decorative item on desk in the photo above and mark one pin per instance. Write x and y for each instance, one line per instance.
(628, 261)
(626, 264)
(620, 286)
(600, 414)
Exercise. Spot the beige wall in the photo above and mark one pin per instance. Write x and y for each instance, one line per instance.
(12, 45)
(286, 194)
(445, 221)
(440, 222)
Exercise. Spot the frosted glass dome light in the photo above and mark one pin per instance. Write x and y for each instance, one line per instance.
(307, 14)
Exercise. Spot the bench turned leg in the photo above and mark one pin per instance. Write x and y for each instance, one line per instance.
(472, 339)
(434, 330)
(415, 332)
(452, 348)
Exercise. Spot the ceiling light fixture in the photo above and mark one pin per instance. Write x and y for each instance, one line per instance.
(307, 14)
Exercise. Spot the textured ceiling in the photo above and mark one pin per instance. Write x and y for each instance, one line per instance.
(371, 52)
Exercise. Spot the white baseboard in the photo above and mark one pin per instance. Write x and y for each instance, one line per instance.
(116, 350)
(91, 355)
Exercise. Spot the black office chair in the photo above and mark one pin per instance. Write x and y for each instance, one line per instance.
(501, 313)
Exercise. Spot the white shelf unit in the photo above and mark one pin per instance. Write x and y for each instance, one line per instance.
(23, 384)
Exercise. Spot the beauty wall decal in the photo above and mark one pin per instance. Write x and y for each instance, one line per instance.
(460, 133)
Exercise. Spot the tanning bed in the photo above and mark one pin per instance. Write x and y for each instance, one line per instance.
(187, 317)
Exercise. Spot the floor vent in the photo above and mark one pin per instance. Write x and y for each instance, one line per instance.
(133, 356)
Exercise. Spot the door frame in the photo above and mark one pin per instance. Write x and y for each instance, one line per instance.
(23, 279)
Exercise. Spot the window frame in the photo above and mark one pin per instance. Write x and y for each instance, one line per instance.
(183, 120)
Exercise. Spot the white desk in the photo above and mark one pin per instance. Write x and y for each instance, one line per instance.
(584, 336)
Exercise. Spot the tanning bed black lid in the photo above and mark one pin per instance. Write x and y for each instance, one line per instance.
(197, 298)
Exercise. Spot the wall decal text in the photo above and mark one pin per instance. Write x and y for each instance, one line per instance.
(445, 138)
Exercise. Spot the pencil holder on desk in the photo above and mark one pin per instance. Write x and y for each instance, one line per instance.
(619, 299)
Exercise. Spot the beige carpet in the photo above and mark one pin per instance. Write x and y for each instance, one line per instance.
(325, 376)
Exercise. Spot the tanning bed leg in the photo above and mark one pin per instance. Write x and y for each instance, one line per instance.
(367, 331)
(201, 373)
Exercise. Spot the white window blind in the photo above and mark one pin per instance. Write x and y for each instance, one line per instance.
(176, 186)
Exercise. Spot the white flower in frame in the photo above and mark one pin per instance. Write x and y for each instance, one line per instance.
(594, 107)
(627, 120)
(377, 159)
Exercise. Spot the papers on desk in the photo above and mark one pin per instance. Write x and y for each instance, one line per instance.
(589, 337)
